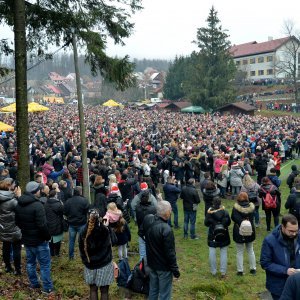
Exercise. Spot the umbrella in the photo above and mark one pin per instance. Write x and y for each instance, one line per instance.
(6, 127)
(111, 103)
(194, 109)
(32, 107)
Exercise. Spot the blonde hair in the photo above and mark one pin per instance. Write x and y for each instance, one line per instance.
(120, 225)
(94, 216)
(111, 206)
(224, 167)
(248, 181)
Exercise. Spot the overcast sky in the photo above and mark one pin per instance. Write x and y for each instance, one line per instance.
(166, 28)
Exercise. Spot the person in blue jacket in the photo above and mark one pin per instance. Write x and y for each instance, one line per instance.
(172, 191)
(291, 289)
(280, 254)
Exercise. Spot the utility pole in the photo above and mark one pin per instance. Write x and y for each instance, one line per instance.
(85, 169)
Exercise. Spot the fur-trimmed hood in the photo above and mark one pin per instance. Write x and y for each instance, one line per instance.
(212, 211)
(245, 207)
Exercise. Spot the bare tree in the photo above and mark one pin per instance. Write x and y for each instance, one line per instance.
(287, 59)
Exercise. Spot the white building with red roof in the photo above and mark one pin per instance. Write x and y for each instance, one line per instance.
(260, 60)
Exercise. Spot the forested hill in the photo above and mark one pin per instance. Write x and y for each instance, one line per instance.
(64, 64)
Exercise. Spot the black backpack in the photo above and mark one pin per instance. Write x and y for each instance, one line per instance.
(252, 195)
(219, 232)
(139, 280)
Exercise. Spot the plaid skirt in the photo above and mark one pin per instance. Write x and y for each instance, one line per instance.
(99, 277)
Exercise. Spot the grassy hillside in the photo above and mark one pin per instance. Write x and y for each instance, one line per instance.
(195, 282)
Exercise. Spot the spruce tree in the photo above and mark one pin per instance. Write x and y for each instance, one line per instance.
(211, 70)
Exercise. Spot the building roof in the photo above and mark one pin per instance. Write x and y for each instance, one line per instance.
(241, 105)
(56, 77)
(53, 88)
(253, 48)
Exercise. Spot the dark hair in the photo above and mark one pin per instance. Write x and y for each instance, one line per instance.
(52, 193)
(216, 202)
(145, 197)
(206, 175)
(78, 191)
(289, 218)
(210, 185)
(266, 180)
(272, 170)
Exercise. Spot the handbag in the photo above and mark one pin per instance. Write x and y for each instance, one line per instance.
(113, 237)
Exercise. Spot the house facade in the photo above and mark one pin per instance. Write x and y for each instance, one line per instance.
(260, 61)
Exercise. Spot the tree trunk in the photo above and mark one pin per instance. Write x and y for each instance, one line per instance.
(21, 93)
(86, 187)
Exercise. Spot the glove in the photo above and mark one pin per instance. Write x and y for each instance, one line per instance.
(176, 274)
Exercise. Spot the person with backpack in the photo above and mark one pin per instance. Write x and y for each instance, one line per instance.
(293, 202)
(271, 201)
(244, 232)
(217, 220)
(251, 188)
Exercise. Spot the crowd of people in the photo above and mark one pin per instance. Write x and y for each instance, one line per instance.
(140, 163)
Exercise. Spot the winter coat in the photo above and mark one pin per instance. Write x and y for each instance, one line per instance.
(160, 244)
(273, 192)
(142, 210)
(291, 289)
(125, 236)
(261, 164)
(54, 214)
(171, 192)
(31, 219)
(98, 245)
(291, 204)
(242, 211)
(275, 180)
(213, 217)
(275, 260)
(291, 178)
(137, 200)
(236, 176)
(189, 196)
(76, 209)
(255, 188)
(224, 181)
(9, 231)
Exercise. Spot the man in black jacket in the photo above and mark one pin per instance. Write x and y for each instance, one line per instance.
(31, 218)
(160, 249)
(76, 209)
(190, 199)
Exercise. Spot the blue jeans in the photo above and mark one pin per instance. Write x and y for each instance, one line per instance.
(73, 230)
(142, 248)
(189, 217)
(160, 285)
(40, 253)
(213, 260)
(175, 212)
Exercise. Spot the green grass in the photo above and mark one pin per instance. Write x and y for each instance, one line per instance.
(195, 282)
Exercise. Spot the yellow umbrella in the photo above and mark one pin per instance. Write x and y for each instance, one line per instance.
(6, 127)
(9, 108)
(32, 107)
(111, 103)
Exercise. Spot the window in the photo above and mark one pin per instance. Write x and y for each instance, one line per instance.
(245, 61)
(261, 72)
(238, 62)
(270, 72)
(269, 58)
(260, 59)
(252, 60)
(252, 73)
